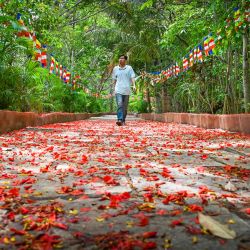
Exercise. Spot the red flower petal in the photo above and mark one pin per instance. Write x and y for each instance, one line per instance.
(247, 210)
(195, 208)
(149, 235)
(176, 222)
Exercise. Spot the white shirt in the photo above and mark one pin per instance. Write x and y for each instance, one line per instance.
(123, 79)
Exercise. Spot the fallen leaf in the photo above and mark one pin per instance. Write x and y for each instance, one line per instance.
(230, 187)
(146, 235)
(73, 211)
(176, 222)
(100, 219)
(110, 180)
(215, 227)
(194, 239)
(60, 225)
(146, 206)
(195, 208)
(85, 209)
(247, 211)
(18, 232)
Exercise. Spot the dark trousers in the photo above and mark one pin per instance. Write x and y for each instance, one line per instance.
(122, 106)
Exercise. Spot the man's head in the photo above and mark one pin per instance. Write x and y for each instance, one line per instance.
(122, 59)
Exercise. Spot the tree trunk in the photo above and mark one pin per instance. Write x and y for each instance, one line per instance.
(237, 97)
(111, 100)
(158, 105)
(228, 102)
(165, 101)
(246, 83)
(72, 50)
(148, 97)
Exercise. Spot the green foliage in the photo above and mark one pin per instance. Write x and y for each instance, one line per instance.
(138, 104)
(25, 86)
(147, 4)
(87, 37)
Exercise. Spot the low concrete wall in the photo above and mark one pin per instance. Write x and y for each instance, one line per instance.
(234, 123)
(12, 120)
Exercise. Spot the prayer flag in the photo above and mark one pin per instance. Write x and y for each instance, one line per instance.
(177, 69)
(199, 53)
(61, 71)
(211, 46)
(195, 55)
(206, 48)
(57, 68)
(44, 59)
(52, 65)
(191, 59)
(68, 77)
(64, 74)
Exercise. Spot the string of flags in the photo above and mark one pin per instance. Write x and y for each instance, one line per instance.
(239, 20)
(41, 55)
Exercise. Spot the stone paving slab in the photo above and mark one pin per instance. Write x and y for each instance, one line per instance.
(93, 185)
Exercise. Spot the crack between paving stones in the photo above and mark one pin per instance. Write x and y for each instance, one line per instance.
(234, 210)
(231, 150)
(216, 159)
(130, 182)
(63, 197)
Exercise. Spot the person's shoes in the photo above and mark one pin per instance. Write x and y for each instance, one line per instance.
(123, 123)
(119, 123)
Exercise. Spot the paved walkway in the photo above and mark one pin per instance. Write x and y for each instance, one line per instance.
(92, 185)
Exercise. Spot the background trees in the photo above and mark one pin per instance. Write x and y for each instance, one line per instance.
(87, 37)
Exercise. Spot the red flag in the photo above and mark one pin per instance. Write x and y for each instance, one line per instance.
(52, 65)
(68, 77)
(44, 59)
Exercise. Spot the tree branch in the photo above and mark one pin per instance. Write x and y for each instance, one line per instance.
(182, 40)
(86, 17)
(71, 7)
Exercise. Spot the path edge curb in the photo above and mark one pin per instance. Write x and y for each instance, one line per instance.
(233, 122)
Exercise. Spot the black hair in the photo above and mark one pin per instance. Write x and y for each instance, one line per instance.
(125, 57)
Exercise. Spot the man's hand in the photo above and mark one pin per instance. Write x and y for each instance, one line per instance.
(133, 84)
(134, 88)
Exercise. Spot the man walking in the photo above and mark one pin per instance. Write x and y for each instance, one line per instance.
(123, 75)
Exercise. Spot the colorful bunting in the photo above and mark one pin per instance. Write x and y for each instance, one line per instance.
(211, 46)
(237, 18)
(40, 55)
(44, 59)
(61, 71)
(64, 74)
(177, 69)
(36, 43)
(57, 68)
(68, 74)
(191, 59)
(208, 44)
(185, 63)
(52, 65)
(195, 54)
(199, 53)
(206, 48)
